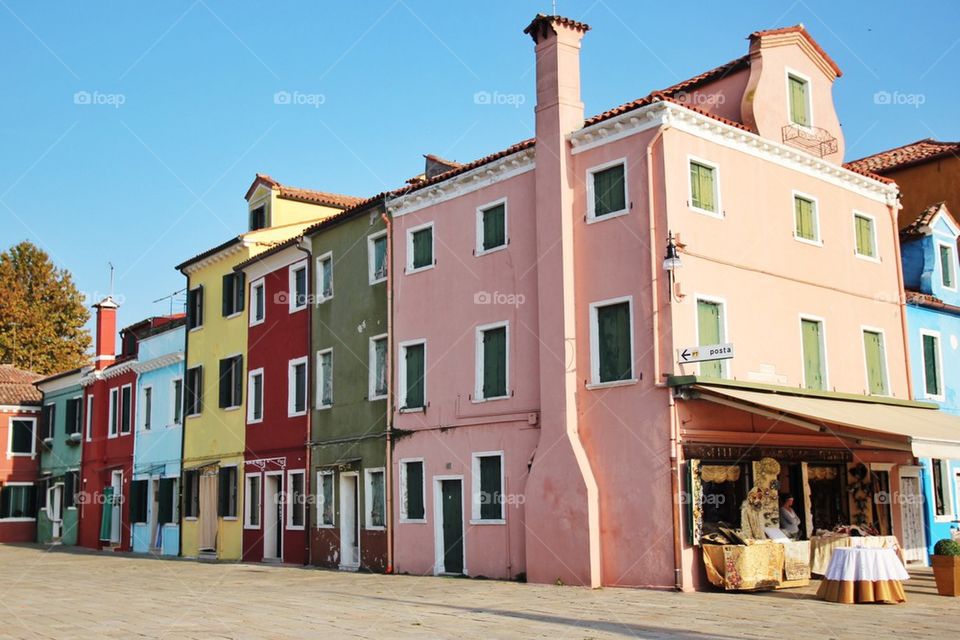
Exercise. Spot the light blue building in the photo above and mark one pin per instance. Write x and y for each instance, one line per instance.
(930, 270)
(154, 492)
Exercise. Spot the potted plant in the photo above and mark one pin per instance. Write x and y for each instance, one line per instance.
(946, 567)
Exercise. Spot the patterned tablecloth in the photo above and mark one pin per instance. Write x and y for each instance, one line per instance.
(822, 547)
(740, 567)
(858, 575)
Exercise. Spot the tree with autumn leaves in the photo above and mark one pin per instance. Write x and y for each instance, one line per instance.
(42, 315)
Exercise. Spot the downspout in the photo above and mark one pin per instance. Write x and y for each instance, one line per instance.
(901, 294)
(311, 277)
(183, 418)
(657, 368)
(388, 476)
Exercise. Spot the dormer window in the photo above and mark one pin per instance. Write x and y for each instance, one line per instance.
(798, 90)
(258, 218)
(947, 266)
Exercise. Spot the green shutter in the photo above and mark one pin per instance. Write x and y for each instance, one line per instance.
(414, 490)
(701, 187)
(495, 362)
(609, 191)
(490, 490)
(805, 221)
(873, 348)
(812, 362)
(864, 227)
(415, 370)
(613, 342)
(798, 102)
(106, 514)
(494, 228)
(708, 322)
(946, 266)
(931, 370)
(423, 248)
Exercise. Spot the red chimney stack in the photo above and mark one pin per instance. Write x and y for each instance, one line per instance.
(106, 338)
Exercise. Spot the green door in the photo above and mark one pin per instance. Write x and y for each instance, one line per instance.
(876, 377)
(708, 322)
(106, 517)
(452, 508)
(812, 355)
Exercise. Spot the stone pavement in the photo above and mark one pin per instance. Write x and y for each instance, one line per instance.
(78, 594)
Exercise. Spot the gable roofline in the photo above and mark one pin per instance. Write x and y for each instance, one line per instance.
(907, 155)
(309, 196)
(801, 30)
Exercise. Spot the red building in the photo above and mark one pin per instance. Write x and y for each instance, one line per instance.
(20, 463)
(277, 407)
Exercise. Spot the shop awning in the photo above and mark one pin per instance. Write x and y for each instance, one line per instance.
(929, 432)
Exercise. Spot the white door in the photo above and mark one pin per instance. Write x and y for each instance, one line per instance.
(911, 511)
(273, 516)
(116, 481)
(55, 510)
(349, 521)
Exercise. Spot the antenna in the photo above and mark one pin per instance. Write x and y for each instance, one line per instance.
(554, 7)
(171, 298)
(111, 278)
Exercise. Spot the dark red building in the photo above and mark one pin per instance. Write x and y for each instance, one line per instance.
(19, 466)
(276, 482)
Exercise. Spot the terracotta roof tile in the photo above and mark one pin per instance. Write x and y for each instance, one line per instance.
(16, 386)
(799, 28)
(922, 221)
(908, 154)
(542, 21)
(303, 195)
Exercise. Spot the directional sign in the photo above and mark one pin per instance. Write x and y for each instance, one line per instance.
(705, 352)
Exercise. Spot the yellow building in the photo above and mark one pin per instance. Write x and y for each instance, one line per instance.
(215, 379)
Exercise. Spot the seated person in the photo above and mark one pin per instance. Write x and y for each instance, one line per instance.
(789, 520)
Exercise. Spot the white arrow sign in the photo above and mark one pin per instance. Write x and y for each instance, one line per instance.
(705, 352)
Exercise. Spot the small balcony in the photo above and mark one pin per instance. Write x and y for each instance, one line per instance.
(814, 140)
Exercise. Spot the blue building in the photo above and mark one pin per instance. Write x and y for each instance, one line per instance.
(928, 247)
(154, 492)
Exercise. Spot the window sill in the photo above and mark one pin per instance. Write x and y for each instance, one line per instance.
(413, 410)
(943, 519)
(378, 281)
(486, 522)
(410, 270)
(326, 526)
(867, 258)
(592, 218)
(192, 415)
(934, 398)
(406, 521)
(290, 527)
(190, 518)
(294, 310)
(229, 518)
(297, 414)
(375, 528)
(706, 212)
(260, 421)
(611, 384)
(485, 252)
(235, 314)
(18, 519)
(234, 408)
(195, 329)
(323, 407)
(813, 243)
(376, 398)
(257, 323)
(493, 399)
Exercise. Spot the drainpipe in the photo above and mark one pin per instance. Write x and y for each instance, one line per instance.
(388, 476)
(657, 368)
(183, 419)
(308, 472)
(901, 295)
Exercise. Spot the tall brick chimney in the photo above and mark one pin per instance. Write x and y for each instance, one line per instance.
(106, 333)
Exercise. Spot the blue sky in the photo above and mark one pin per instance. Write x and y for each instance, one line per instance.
(182, 109)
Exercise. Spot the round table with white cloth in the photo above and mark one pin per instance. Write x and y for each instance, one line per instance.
(863, 574)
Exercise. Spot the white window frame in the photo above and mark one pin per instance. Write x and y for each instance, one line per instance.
(19, 484)
(321, 296)
(433, 248)
(247, 478)
(372, 366)
(939, 397)
(402, 375)
(142, 410)
(321, 505)
(591, 204)
(132, 414)
(953, 258)
(203, 302)
(173, 400)
(475, 518)
(947, 478)
(53, 408)
(89, 416)
(186, 376)
(805, 78)
(480, 251)
(368, 499)
(595, 345)
(883, 356)
(724, 327)
(289, 499)
(371, 257)
(114, 401)
(818, 240)
(403, 490)
(318, 390)
(479, 361)
(291, 389)
(250, 406)
(33, 441)
(718, 214)
(823, 348)
(293, 302)
(259, 283)
(873, 236)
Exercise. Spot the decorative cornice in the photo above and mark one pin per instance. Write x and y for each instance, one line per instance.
(107, 374)
(157, 363)
(219, 256)
(262, 463)
(464, 183)
(19, 408)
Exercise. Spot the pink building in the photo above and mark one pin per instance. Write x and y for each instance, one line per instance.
(545, 426)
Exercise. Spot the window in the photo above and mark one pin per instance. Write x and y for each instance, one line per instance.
(492, 227)
(296, 502)
(412, 375)
(325, 499)
(378, 367)
(227, 492)
(191, 493)
(491, 375)
(114, 415)
(377, 257)
(374, 499)
(611, 341)
(947, 264)
(234, 287)
(420, 248)
(176, 396)
(139, 490)
(89, 418)
(126, 408)
(255, 396)
(231, 382)
(806, 226)
(703, 187)
(324, 278)
(16, 501)
(251, 496)
(74, 422)
(710, 330)
(866, 235)
(194, 404)
(412, 491)
(47, 421)
(22, 437)
(488, 487)
(147, 408)
(324, 379)
(932, 381)
(799, 99)
(298, 286)
(943, 507)
(814, 374)
(258, 218)
(195, 308)
(875, 361)
(71, 487)
(167, 502)
(607, 190)
(258, 302)
(297, 387)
